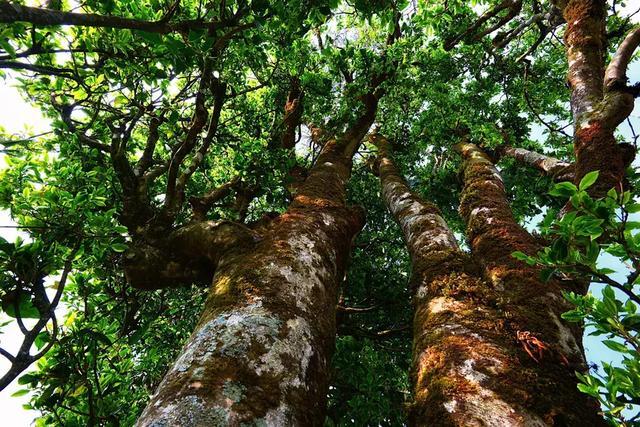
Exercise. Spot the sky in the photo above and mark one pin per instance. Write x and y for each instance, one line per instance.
(18, 117)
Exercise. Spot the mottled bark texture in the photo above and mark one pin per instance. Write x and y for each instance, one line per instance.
(548, 351)
(557, 169)
(260, 352)
(598, 104)
(465, 367)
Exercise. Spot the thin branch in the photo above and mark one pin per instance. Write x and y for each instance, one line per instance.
(503, 39)
(206, 143)
(8, 355)
(535, 112)
(146, 159)
(344, 309)
(471, 30)
(40, 69)
(197, 124)
(201, 205)
(24, 359)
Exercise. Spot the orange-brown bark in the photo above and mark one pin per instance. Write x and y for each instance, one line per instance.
(260, 352)
(465, 368)
(598, 106)
(549, 350)
(293, 109)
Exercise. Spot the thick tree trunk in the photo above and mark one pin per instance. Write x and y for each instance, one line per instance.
(598, 106)
(549, 350)
(465, 368)
(260, 352)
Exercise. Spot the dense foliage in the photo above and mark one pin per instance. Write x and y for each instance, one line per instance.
(102, 346)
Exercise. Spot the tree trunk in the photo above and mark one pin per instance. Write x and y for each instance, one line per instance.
(463, 358)
(467, 367)
(260, 352)
(549, 351)
(598, 106)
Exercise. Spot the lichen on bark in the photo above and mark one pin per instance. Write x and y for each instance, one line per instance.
(260, 352)
(465, 369)
(598, 106)
(548, 350)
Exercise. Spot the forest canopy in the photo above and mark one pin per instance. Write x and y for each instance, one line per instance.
(308, 212)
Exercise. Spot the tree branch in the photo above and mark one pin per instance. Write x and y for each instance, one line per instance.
(201, 205)
(206, 143)
(40, 69)
(617, 69)
(197, 124)
(558, 169)
(11, 12)
(146, 159)
(185, 255)
(511, 5)
(23, 359)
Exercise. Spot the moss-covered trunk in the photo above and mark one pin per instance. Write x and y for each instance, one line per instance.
(261, 350)
(466, 369)
(598, 103)
(548, 350)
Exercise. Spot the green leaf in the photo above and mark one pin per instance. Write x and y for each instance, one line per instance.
(608, 293)
(564, 189)
(25, 307)
(20, 393)
(590, 390)
(7, 47)
(27, 379)
(616, 346)
(633, 207)
(573, 316)
(520, 256)
(617, 250)
(119, 247)
(41, 340)
(588, 180)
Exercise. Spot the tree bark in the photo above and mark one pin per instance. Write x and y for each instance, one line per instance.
(598, 106)
(260, 352)
(293, 109)
(549, 351)
(558, 169)
(464, 369)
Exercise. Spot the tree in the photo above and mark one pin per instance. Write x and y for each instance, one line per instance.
(467, 365)
(223, 145)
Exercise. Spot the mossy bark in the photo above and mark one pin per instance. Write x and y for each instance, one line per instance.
(466, 369)
(260, 352)
(548, 351)
(598, 108)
